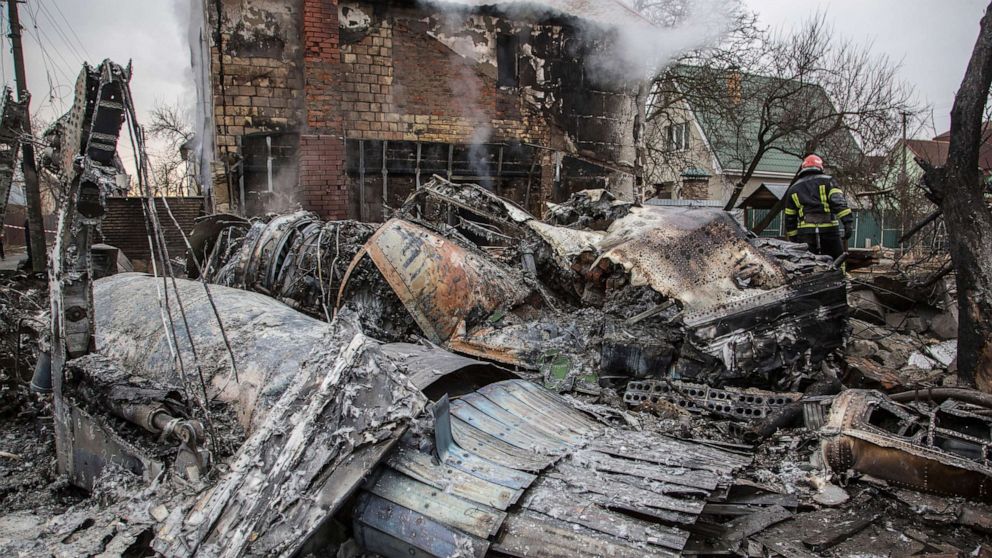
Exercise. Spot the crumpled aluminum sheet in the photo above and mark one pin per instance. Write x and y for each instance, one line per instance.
(519, 470)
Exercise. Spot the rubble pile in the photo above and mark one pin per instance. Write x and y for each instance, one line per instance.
(466, 379)
(23, 303)
(616, 292)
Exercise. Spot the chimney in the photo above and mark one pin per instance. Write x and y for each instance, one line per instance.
(734, 84)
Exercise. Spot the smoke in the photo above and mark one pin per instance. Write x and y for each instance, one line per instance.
(198, 34)
(466, 95)
(640, 50)
(466, 91)
(617, 45)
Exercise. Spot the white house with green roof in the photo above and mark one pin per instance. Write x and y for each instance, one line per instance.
(695, 153)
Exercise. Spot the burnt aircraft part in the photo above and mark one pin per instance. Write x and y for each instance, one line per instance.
(600, 491)
(205, 237)
(757, 338)
(478, 275)
(96, 386)
(87, 153)
(341, 414)
(945, 450)
(738, 404)
(300, 261)
(699, 256)
(437, 372)
(270, 341)
(446, 287)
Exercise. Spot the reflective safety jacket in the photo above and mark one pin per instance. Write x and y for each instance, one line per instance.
(815, 203)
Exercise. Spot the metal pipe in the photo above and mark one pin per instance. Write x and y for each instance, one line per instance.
(940, 394)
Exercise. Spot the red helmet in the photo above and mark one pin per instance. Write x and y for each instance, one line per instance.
(811, 162)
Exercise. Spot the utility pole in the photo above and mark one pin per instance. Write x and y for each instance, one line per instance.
(32, 191)
(903, 182)
(902, 172)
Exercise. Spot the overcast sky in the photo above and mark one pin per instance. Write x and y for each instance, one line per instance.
(931, 38)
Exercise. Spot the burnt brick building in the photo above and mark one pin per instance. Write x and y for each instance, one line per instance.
(344, 107)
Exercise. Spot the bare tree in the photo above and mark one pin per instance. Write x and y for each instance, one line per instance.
(173, 167)
(798, 93)
(959, 189)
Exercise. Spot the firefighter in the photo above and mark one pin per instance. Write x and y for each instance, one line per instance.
(816, 209)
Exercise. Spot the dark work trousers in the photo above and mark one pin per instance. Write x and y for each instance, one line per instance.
(826, 242)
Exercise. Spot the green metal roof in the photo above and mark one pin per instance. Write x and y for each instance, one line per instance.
(695, 172)
(734, 140)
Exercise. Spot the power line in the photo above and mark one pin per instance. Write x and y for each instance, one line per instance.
(51, 65)
(71, 30)
(40, 32)
(58, 30)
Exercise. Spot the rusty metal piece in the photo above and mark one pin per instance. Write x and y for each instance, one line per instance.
(945, 450)
(446, 287)
(734, 403)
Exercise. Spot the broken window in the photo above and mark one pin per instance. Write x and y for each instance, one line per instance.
(506, 60)
(382, 174)
(678, 137)
(269, 175)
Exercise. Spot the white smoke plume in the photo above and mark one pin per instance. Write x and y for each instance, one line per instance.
(641, 49)
(194, 12)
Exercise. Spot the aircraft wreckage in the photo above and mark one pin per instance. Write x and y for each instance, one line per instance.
(603, 292)
(297, 428)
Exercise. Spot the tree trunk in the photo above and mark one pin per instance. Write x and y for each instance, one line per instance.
(960, 187)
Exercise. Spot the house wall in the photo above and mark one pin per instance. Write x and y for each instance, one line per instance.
(256, 79)
(665, 165)
(356, 79)
(123, 226)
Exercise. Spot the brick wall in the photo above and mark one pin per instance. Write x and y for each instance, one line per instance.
(400, 83)
(257, 76)
(124, 226)
(695, 190)
(322, 185)
(322, 179)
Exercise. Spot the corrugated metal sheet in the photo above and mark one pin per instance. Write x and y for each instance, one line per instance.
(684, 203)
(597, 492)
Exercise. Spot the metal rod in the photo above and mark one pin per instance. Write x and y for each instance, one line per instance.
(385, 180)
(451, 157)
(361, 180)
(268, 162)
(241, 176)
(418, 162)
